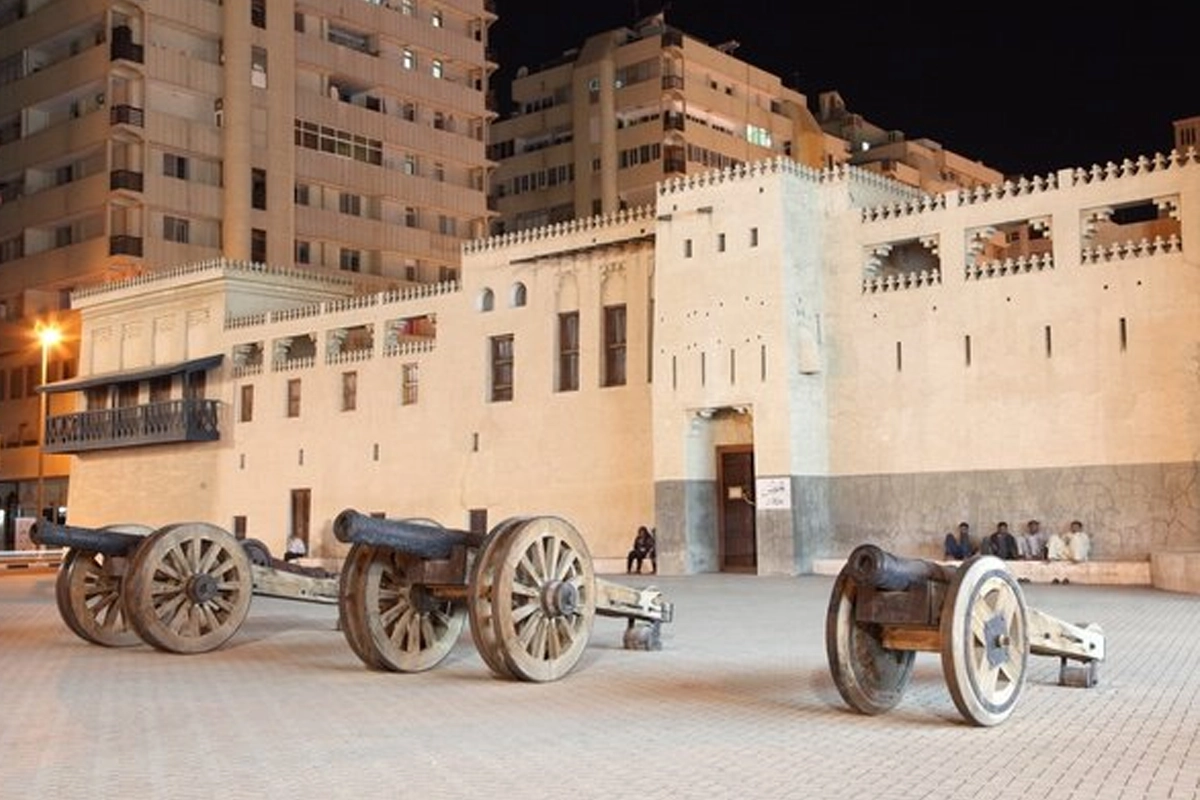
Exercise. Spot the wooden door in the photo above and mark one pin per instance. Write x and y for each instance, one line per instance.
(301, 513)
(735, 480)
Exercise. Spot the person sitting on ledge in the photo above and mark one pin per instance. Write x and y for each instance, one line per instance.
(1032, 543)
(1079, 545)
(960, 547)
(1003, 543)
(643, 548)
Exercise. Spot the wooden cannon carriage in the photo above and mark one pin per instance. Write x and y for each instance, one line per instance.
(184, 588)
(527, 587)
(405, 591)
(884, 609)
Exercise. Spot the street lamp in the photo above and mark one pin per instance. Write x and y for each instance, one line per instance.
(48, 336)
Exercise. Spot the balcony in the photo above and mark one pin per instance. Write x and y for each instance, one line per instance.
(125, 179)
(123, 46)
(133, 426)
(672, 82)
(673, 121)
(122, 244)
(127, 115)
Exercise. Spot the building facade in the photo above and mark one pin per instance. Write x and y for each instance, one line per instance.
(772, 365)
(341, 137)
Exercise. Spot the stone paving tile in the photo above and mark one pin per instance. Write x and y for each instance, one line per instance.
(739, 703)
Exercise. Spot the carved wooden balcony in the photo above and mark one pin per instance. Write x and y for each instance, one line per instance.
(133, 426)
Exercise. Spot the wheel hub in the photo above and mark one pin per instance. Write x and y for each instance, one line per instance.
(997, 641)
(560, 598)
(201, 588)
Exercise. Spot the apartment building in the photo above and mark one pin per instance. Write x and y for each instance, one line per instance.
(592, 132)
(342, 137)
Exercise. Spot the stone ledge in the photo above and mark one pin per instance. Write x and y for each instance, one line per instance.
(1177, 571)
(1112, 573)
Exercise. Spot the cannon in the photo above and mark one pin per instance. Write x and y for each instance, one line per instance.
(527, 587)
(183, 588)
(884, 609)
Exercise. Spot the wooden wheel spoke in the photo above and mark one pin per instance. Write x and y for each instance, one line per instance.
(526, 591)
(208, 558)
(522, 612)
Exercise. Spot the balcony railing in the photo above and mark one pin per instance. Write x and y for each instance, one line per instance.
(127, 115)
(123, 46)
(673, 121)
(125, 179)
(133, 426)
(672, 81)
(122, 244)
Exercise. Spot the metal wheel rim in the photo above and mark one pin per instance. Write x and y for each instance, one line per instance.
(985, 641)
(189, 588)
(540, 557)
(405, 631)
(870, 677)
(480, 606)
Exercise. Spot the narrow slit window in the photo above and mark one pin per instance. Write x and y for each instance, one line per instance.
(899, 356)
(967, 349)
(1049, 343)
(1124, 335)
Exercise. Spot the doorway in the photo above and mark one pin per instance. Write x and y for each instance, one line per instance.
(735, 481)
(301, 513)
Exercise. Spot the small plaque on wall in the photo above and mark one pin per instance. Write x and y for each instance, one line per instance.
(773, 493)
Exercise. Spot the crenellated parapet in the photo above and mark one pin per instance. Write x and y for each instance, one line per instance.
(594, 224)
(213, 267)
(356, 302)
(1131, 168)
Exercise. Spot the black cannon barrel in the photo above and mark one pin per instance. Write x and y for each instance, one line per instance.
(876, 567)
(96, 540)
(425, 539)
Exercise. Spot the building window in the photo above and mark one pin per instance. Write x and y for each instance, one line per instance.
(301, 194)
(447, 225)
(410, 165)
(409, 381)
(258, 67)
(349, 391)
(239, 526)
(687, 248)
(350, 260)
(754, 237)
(502, 368)
(487, 300)
(408, 59)
(435, 18)
(408, 112)
(175, 166)
(298, 21)
(437, 70)
(439, 120)
(350, 204)
(568, 351)
(411, 218)
(303, 252)
(258, 245)
(293, 397)
(258, 13)
(614, 345)
(439, 172)
(160, 389)
(246, 410)
(258, 189)
(720, 243)
(408, 8)
(175, 229)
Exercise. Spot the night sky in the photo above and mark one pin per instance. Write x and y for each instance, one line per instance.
(1026, 88)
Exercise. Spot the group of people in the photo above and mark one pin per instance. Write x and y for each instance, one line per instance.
(1033, 544)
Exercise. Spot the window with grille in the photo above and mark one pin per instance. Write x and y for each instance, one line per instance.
(614, 345)
(568, 351)
(502, 367)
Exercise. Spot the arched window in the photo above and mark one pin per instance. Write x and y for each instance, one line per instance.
(518, 295)
(487, 300)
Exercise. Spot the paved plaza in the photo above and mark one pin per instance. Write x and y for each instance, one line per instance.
(739, 703)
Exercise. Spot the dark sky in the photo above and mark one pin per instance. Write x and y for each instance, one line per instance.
(1026, 88)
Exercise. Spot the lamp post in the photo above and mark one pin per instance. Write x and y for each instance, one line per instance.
(48, 336)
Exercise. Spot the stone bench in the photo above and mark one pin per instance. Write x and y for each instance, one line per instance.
(1176, 571)
(1112, 573)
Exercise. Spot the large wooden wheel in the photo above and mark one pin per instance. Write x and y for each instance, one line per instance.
(397, 622)
(351, 612)
(544, 598)
(88, 594)
(188, 588)
(871, 678)
(985, 640)
(481, 591)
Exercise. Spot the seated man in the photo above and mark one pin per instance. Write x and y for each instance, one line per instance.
(1003, 543)
(960, 547)
(643, 548)
(1079, 545)
(1032, 544)
(1056, 547)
